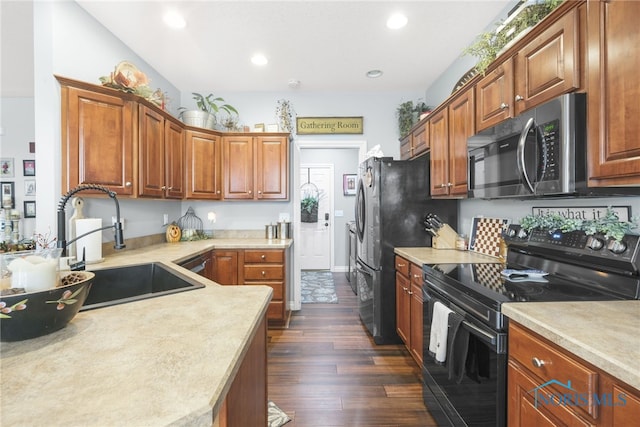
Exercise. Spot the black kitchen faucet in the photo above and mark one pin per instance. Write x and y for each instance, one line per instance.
(62, 238)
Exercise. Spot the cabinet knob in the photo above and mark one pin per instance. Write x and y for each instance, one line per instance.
(410, 292)
(164, 187)
(218, 192)
(404, 289)
(538, 363)
(504, 106)
(127, 184)
(259, 192)
(263, 256)
(519, 98)
(264, 273)
(449, 184)
(416, 276)
(443, 185)
(250, 192)
(170, 188)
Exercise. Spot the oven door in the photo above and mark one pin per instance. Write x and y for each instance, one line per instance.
(479, 399)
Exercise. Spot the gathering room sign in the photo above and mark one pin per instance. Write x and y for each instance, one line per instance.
(328, 125)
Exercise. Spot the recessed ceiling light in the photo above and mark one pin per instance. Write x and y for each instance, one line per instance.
(373, 74)
(259, 59)
(396, 21)
(174, 19)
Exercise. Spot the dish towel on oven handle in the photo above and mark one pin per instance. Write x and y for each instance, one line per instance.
(438, 335)
(458, 343)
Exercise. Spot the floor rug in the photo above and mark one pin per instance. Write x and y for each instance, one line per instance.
(318, 287)
(276, 416)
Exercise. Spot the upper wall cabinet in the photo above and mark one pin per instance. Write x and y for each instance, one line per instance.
(545, 67)
(121, 141)
(256, 167)
(416, 142)
(613, 90)
(97, 140)
(161, 155)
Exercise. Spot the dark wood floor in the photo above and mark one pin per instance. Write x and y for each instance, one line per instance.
(324, 370)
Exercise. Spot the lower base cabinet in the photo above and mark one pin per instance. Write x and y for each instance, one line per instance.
(409, 323)
(549, 386)
(246, 402)
(266, 267)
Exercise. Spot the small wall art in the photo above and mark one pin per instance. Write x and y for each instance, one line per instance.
(349, 182)
(29, 167)
(7, 189)
(29, 187)
(30, 209)
(6, 167)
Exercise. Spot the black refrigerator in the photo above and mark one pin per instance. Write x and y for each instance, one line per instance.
(392, 201)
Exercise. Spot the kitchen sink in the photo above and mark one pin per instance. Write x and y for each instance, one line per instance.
(121, 285)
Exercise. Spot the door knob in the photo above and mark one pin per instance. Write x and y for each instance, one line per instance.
(326, 224)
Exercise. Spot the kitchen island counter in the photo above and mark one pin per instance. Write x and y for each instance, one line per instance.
(443, 256)
(603, 333)
(168, 360)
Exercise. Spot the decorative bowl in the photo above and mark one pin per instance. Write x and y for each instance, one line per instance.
(33, 314)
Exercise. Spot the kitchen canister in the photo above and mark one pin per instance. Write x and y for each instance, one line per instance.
(284, 230)
(271, 231)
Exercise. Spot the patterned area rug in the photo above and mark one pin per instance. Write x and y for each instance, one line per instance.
(318, 287)
(276, 417)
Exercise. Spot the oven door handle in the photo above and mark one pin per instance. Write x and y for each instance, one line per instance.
(489, 338)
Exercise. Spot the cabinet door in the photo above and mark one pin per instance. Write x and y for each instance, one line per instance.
(549, 65)
(97, 141)
(203, 166)
(420, 139)
(151, 154)
(613, 90)
(403, 308)
(405, 148)
(439, 133)
(238, 167)
(461, 127)
(174, 164)
(494, 93)
(272, 168)
(417, 333)
(224, 267)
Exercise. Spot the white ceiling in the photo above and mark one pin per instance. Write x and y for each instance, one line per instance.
(326, 45)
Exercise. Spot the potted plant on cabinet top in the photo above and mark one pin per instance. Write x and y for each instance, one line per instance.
(490, 44)
(205, 116)
(404, 112)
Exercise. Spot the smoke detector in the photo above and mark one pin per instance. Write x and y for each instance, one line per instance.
(293, 83)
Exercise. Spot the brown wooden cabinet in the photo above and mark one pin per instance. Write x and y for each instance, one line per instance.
(97, 139)
(416, 142)
(494, 93)
(538, 368)
(256, 168)
(246, 401)
(449, 129)
(255, 267)
(160, 154)
(409, 306)
(613, 90)
(203, 157)
(224, 267)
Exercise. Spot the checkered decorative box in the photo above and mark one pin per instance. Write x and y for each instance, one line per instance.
(486, 234)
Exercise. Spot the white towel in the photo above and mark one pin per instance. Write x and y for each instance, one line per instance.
(438, 336)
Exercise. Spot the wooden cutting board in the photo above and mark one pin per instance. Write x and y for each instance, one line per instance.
(486, 235)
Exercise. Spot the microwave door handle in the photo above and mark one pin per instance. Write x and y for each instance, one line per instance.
(522, 167)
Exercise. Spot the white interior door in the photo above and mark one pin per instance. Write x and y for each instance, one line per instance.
(315, 237)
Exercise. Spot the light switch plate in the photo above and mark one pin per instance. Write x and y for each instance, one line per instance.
(338, 213)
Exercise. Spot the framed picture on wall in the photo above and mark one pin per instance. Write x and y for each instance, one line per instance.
(6, 167)
(29, 167)
(349, 182)
(7, 189)
(29, 187)
(30, 209)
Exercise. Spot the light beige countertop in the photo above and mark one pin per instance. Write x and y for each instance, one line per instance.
(168, 360)
(443, 256)
(603, 333)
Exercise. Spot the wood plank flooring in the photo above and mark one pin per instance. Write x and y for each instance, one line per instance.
(325, 370)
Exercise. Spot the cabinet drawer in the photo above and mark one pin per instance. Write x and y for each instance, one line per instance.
(278, 289)
(276, 310)
(402, 266)
(264, 272)
(415, 274)
(552, 365)
(253, 256)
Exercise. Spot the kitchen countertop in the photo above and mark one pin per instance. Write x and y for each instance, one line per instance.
(603, 333)
(168, 360)
(443, 256)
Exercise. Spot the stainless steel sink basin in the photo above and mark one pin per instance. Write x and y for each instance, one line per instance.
(132, 283)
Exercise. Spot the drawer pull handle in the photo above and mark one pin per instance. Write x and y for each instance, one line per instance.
(416, 276)
(538, 363)
(401, 265)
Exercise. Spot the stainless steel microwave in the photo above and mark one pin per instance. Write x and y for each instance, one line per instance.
(538, 153)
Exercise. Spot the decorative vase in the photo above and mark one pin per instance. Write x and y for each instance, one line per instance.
(197, 118)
